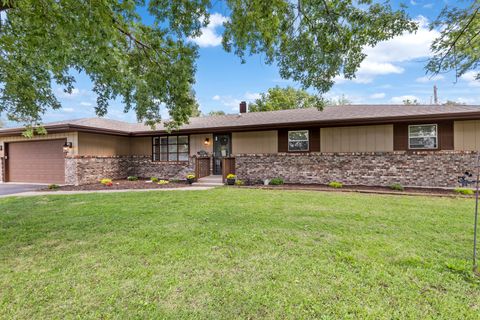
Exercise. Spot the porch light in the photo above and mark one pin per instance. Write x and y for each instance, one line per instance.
(67, 146)
(206, 141)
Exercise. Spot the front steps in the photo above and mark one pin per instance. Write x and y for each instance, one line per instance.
(210, 181)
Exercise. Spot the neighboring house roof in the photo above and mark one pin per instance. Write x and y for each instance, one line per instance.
(329, 116)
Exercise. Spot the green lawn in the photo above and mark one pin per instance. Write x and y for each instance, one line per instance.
(237, 253)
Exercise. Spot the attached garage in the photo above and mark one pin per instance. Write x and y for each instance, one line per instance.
(39, 161)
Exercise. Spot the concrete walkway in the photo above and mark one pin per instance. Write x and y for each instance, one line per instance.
(53, 193)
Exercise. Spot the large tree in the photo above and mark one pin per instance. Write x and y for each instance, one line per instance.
(282, 99)
(150, 63)
(458, 46)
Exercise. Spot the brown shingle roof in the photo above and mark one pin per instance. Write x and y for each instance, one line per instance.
(338, 115)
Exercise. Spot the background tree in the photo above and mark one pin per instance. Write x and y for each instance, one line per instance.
(410, 102)
(216, 113)
(458, 46)
(453, 103)
(340, 101)
(282, 99)
(152, 65)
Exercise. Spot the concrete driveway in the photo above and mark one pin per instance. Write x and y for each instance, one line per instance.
(14, 188)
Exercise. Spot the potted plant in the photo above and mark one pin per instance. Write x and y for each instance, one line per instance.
(190, 178)
(231, 179)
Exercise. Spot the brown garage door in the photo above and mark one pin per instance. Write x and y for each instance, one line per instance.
(36, 161)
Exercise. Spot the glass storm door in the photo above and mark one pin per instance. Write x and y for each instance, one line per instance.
(221, 149)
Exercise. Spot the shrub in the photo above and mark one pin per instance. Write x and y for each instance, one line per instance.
(53, 186)
(276, 181)
(335, 184)
(397, 187)
(464, 191)
(175, 180)
(163, 182)
(190, 176)
(132, 178)
(106, 181)
(154, 179)
(239, 183)
(231, 176)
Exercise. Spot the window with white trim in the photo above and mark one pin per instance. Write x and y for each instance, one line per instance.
(170, 148)
(298, 140)
(423, 136)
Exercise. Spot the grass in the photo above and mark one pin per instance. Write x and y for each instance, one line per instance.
(233, 253)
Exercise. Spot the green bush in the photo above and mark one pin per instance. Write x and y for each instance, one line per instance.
(276, 181)
(464, 191)
(231, 176)
(53, 186)
(154, 179)
(132, 178)
(239, 182)
(397, 187)
(335, 184)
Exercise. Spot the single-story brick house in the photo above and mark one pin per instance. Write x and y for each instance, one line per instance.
(420, 145)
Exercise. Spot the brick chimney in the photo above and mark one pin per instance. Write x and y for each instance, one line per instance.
(243, 107)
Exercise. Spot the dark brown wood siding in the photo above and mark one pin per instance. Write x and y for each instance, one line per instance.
(314, 136)
(283, 140)
(445, 135)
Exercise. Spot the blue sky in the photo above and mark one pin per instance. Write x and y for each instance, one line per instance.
(392, 72)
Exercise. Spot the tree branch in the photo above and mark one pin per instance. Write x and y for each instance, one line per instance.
(462, 32)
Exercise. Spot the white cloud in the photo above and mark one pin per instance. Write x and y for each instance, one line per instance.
(252, 96)
(69, 110)
(470, 78)
(216, 97)
(379, 95)
(426, 79)
(400, 99)
(86, 104)
(209, 36)
(383, 59)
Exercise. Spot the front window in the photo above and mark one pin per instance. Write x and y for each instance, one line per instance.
(422, 136)
(298, 140)
(170, 148)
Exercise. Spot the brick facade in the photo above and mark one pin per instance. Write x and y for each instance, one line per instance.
(425, 168)
(89, 169)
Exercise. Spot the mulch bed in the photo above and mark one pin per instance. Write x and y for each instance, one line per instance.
(365, 189)
(122, 185)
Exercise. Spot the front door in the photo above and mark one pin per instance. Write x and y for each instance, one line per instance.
(221, 149)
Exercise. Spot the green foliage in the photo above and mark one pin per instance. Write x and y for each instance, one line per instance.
(464, 191)
(335, 184)
(453, 103)
(397, 187)
(161, 182)
(340, 101)
(132, 178)
(409, 102)
(151, 65)
(239, 182)
(458, 46)
(276, 181)
(231, 176)
(53, 186)
(216, 113)
(284, 98)
(190, 176)
(154, 179)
